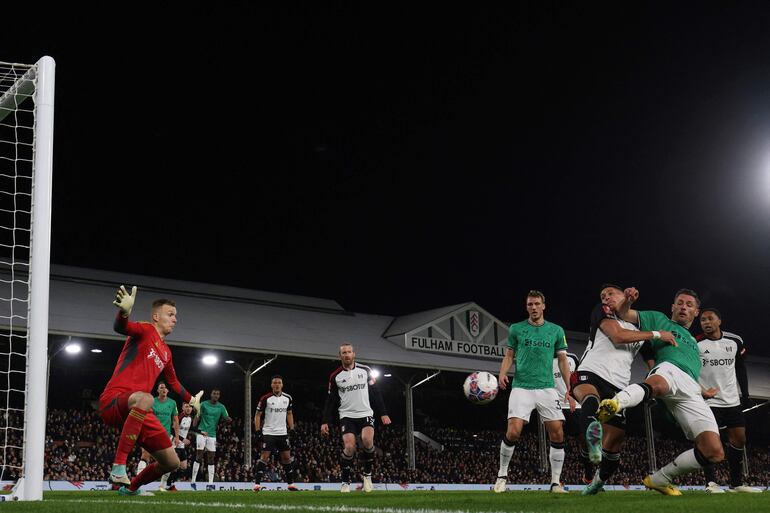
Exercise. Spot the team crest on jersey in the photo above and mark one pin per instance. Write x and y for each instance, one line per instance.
(474, 322)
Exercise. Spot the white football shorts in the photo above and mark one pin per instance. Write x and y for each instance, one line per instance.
(207, 442)
(522, 401)
(685, 402)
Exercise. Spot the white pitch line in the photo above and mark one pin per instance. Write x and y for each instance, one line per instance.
(278, 507)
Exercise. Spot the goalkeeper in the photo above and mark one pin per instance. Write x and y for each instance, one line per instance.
(127, 401)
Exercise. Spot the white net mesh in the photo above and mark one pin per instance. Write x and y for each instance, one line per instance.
(17, 122)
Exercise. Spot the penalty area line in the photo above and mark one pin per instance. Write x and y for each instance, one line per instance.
(275, 507)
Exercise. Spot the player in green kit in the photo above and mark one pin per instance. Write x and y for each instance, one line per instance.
(212, 411)
(165, 409)
(673, 380)
(533, 344)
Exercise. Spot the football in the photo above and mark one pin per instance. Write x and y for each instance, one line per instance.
(480, 387)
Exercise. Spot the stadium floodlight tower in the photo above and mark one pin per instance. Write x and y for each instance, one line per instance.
(26, 151)
(248, 372)
(410, 434)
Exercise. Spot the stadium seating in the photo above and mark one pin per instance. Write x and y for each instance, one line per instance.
(79, 447)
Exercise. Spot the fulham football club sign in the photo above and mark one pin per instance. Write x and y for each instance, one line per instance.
(468, 331)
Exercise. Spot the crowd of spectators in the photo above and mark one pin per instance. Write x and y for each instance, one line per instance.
(11, 436)
(79, 447)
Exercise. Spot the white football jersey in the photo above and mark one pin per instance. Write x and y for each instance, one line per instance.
(611, 362)
(718, 368)
(558, 382)
(275, 408)
(353, 389)
(184, 428)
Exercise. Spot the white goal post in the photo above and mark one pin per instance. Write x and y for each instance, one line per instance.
(26, 151)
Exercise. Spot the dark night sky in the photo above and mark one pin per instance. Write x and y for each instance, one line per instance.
(398, 158)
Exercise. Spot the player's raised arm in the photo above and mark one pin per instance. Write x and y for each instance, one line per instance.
(620, 335)
(125, 303)
(625, 311)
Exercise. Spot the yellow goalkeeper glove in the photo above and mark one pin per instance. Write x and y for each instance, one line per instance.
(195, 402)
(124, 300)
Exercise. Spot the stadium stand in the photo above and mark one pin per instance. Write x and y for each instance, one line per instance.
(79, 447)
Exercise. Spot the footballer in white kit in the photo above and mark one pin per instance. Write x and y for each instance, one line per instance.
(350, 392)
(276, 408)
(185, 422)
(571, 421)
(723, 369)
(604, 370)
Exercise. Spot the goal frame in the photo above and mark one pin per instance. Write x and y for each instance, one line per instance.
(40, 78)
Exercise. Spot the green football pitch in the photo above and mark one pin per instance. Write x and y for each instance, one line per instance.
(395, 502)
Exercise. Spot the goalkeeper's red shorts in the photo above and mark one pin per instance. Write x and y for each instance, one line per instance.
(114, 411)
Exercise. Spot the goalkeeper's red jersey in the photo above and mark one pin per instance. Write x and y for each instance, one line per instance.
(144, 356)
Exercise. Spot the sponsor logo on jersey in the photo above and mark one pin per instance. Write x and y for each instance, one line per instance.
(156, 358)
(717, 362)
(351, 388)
(536, 343)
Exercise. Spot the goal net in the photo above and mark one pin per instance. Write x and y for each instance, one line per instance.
(26, 141)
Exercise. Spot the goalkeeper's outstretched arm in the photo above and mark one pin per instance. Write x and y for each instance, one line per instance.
(125, 303)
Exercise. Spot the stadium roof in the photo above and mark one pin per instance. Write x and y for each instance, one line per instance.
(231, 318)
(221, 317)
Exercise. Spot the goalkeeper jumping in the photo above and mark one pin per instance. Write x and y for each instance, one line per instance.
(127, 401)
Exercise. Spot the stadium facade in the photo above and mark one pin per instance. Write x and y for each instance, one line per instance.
(461, 337)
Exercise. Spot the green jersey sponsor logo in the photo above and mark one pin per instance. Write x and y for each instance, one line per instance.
(534, 348)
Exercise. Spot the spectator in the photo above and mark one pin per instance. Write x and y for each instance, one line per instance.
(78, 448)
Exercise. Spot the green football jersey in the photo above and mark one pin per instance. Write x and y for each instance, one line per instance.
(534, 348)
(211, 414)
(165, 411)
(685, 355)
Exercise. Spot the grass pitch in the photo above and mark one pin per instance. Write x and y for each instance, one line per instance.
(394, 502)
